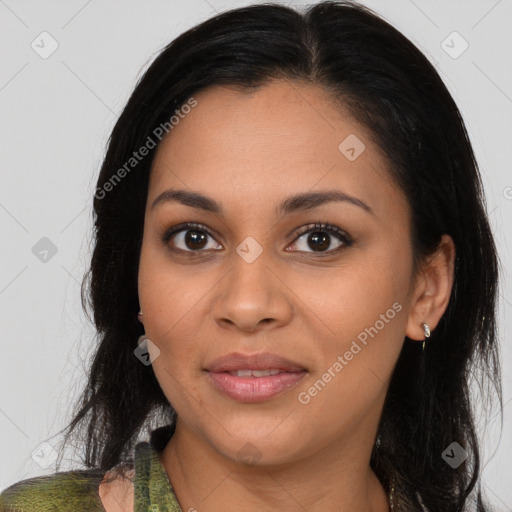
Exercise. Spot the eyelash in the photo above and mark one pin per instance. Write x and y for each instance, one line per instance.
(310, 228)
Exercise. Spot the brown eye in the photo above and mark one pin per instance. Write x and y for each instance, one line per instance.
(319, 238)
(195, 239)
(190, 238)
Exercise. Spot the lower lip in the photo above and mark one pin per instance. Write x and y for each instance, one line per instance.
(255, 389)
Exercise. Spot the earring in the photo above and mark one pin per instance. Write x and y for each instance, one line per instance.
(426, 330)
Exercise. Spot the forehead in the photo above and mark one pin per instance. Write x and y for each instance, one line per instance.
(281, 138)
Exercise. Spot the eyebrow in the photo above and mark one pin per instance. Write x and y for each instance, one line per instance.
(299, 202)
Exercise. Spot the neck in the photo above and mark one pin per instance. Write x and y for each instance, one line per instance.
(336, 478)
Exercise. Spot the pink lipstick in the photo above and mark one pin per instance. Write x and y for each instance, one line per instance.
(255, 377)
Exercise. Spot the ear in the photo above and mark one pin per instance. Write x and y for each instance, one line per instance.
(432, 290)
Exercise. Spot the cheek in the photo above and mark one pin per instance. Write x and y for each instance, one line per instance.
(176, 309)
(170, 300)
(360, 312)
(355, 360)
(167, 291)
(353, 297)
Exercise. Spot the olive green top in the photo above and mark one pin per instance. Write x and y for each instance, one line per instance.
(77, 490)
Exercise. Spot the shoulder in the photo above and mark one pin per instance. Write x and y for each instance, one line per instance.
(75, 490)
(117, 490)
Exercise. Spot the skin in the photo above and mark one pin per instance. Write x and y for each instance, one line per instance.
(117, 495)
(248, 152)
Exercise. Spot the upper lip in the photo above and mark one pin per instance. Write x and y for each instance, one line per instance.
(261, 361)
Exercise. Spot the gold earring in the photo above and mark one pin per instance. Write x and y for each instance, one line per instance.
(426, 330)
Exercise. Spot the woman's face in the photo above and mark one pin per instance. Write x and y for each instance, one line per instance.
(335, 308)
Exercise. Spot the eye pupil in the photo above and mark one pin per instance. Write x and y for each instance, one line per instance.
(320, 240)
(195, 237)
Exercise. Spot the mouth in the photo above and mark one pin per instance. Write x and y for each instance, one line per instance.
(263, 361)
(254, 377)
(255, 373)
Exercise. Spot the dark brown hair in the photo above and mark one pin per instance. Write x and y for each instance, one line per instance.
(391, 88)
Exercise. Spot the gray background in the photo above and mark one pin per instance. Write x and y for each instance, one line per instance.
(55, 116)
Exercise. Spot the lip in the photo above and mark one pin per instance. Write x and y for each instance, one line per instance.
(260, 361)
(254, 389)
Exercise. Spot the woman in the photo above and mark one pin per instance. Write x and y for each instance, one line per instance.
(293, 275)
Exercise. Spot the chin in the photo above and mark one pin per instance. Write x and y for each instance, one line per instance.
(260, 446)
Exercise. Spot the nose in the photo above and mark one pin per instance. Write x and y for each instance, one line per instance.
(252, 296)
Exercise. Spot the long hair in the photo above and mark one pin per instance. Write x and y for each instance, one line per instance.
(390, 87)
